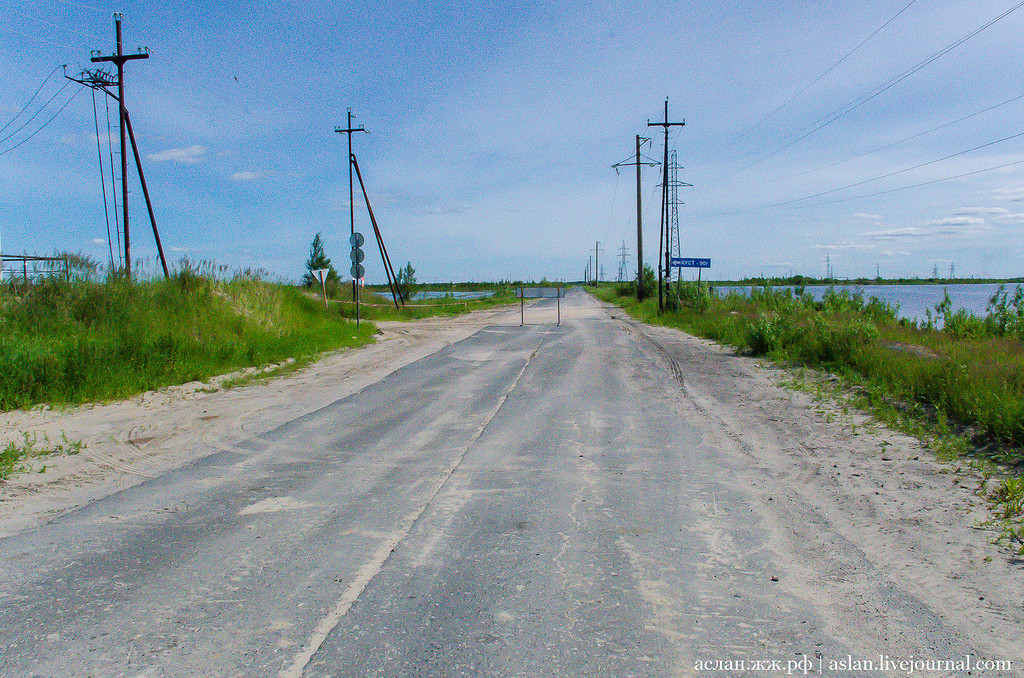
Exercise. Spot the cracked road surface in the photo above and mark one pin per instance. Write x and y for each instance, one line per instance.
(545, 500)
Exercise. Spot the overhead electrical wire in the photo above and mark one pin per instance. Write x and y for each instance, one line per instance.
(918, 185)
(36, 37)
(888, 84)
(113, 182)
(34, 95)
(63, 27)
(33, 117)
(824, 73)
(103, 178)
(43, 126)
(906, 139)
(900, 171)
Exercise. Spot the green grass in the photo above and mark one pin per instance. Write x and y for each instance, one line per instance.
(960, 388)
(67, 342)
(15, 458)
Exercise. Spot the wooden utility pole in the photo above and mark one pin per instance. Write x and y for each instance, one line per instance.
(664, 264)
(119, 60)
(351, 191)
(640, 141)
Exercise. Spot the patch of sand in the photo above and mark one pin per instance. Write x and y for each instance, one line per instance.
(129, 441)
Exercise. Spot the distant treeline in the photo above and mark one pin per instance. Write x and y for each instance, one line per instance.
(805, 280)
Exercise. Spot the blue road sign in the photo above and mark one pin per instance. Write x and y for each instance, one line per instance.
(681, 262)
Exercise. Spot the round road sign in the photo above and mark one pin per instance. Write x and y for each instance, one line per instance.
(356, 239)
(357, 271)
(357, 255)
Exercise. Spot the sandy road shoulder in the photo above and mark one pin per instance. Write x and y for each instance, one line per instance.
(865, 521)
(130, 441)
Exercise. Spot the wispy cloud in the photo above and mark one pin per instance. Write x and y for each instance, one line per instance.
(246, 175)
(1011, 194)
(950, 226)
(184, 156)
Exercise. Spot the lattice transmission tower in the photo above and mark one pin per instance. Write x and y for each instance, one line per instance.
(675, 249)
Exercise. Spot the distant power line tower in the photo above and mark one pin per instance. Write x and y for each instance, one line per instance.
(675, 249)
(623, 266)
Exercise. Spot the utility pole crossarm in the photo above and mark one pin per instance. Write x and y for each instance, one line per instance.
(638, 162)
(351, 195)
(663, 248)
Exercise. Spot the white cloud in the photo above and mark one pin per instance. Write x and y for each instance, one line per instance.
(893, 233)
(185, 156)
(983, 211)
(246, 175)
(862, 216)
(442, 210)
(1011, 194)
(98, 241)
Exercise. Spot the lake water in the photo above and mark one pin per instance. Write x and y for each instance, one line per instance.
(438, 294)
(914, 300)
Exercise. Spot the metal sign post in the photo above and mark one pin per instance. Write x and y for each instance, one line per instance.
(321, 275)
(357, 270)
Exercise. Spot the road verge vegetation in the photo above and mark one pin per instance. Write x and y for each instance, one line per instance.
(79, 339)
(955, 380)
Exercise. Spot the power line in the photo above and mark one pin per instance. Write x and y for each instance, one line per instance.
(36, 37)
(34, 95)
(892, 82)
(900, 171)
(41, 108)
(103, 181)
(63, 27)
(918, 185)
(41, 128)
(910, 138)
(824, 73)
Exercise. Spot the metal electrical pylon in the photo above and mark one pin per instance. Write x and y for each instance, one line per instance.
(675, 249)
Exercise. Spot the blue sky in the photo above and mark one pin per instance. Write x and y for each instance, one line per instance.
(494, 125)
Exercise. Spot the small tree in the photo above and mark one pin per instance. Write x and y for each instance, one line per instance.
(406, 279)
(317, 260)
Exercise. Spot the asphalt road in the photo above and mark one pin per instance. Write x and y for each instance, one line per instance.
(526, 502)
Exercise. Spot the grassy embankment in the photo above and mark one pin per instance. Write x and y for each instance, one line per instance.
(65, 342)
(959, 388)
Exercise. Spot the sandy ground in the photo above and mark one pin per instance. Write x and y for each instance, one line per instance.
(900, 515)
(129, 441)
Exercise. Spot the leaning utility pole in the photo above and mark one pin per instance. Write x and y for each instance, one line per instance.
(640, 141)
(119, 60)
(666, 264)
(351, 193)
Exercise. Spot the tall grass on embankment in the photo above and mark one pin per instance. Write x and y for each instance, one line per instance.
(73, 341)
(968, 375)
